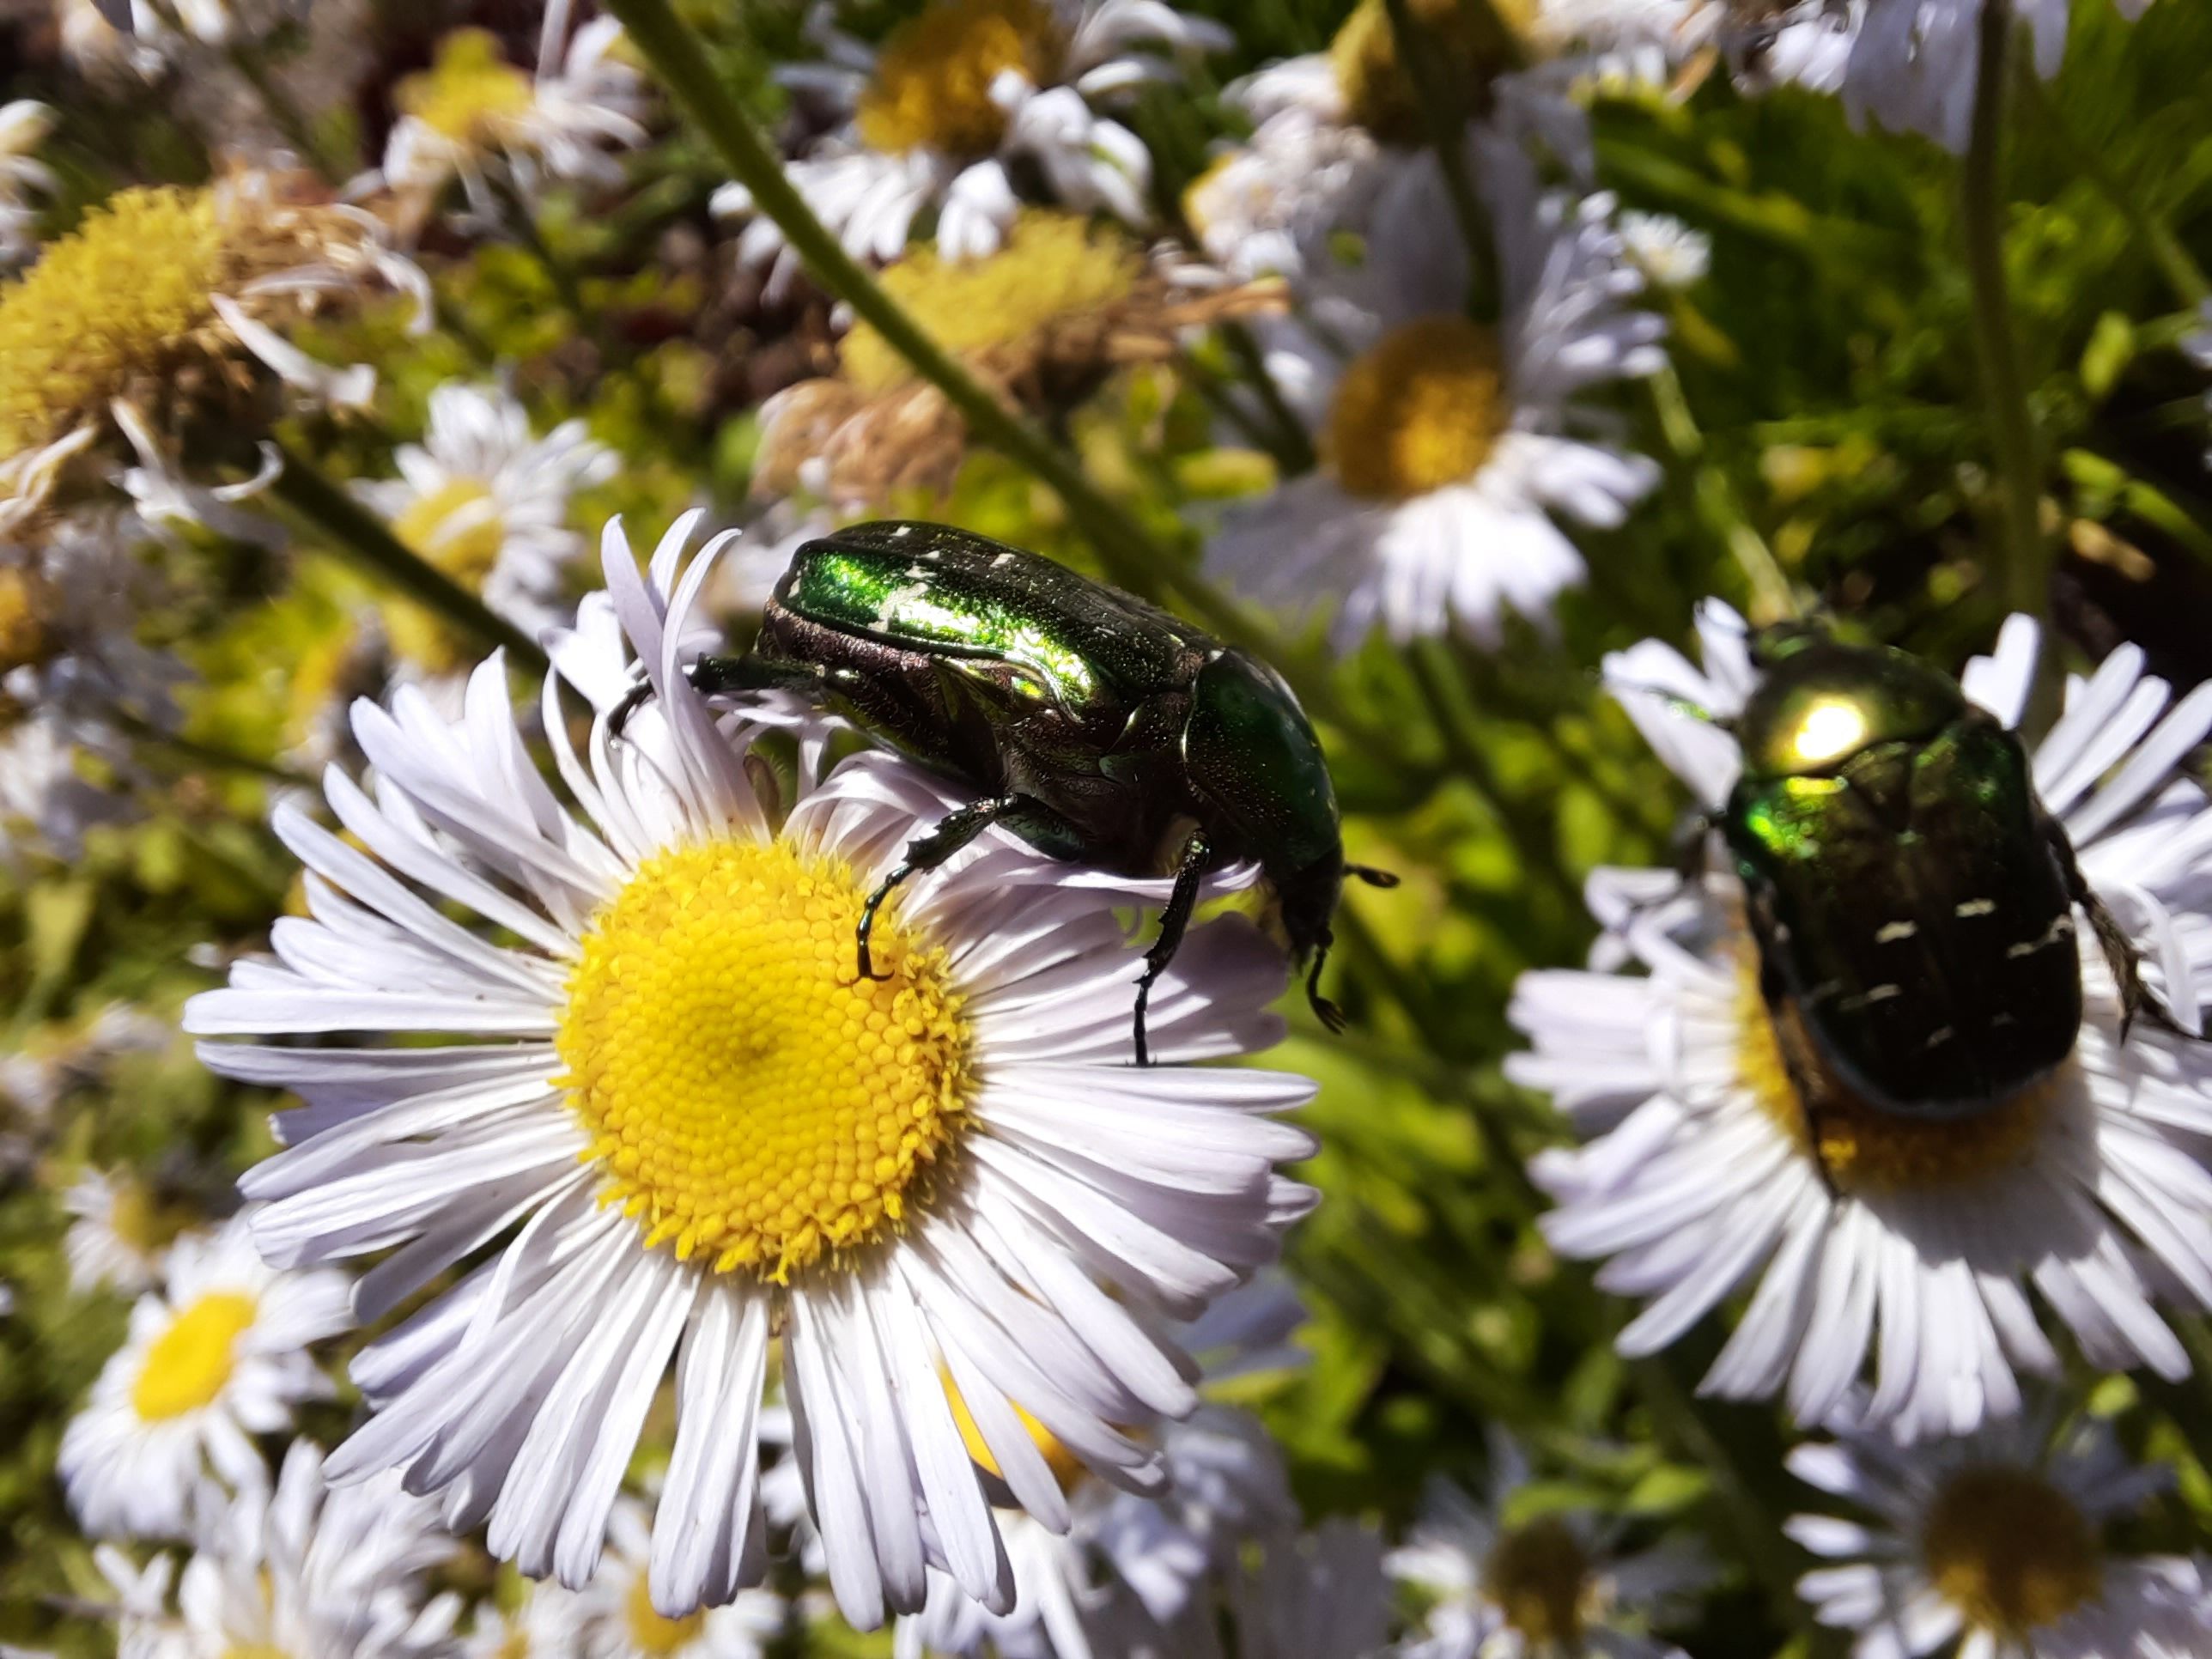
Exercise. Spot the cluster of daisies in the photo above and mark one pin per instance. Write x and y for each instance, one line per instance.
(617, 1232)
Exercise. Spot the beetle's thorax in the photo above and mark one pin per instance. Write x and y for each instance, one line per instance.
(1822, 703)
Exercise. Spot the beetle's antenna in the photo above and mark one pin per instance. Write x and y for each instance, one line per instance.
(1371, 876)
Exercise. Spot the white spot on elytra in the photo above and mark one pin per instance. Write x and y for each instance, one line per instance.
(1973, 908)
(1002, 558)
(1942, 1034)
(903, 529)
(1895, 930)
(2060, 931)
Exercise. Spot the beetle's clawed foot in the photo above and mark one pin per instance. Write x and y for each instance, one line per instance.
(1371, 876)
(866, 966)
(1330, 1014)
(633, 699)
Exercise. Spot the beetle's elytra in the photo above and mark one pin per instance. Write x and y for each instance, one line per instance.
(1913, 902)
(1098, 728)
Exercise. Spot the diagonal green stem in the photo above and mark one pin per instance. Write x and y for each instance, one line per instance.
(1445, 117)
(1130, 554)
(2012, 424)
(352, 531)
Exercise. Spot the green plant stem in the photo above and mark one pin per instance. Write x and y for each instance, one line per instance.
(2012, 424)
(1130, 554)
(2183, 274)
(1294, 449)
(1437, 677)
(285, 115)
(1445, 117)
(209, 755)
(1773, 599)
(353, 531)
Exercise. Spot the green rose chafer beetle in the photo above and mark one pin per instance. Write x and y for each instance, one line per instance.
(1913, 900)
(1099, 729)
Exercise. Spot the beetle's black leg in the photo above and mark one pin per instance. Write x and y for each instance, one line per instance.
(2137, 999)
(717, 676)
(1190, 870)
(1328, 1012)
(952, 832)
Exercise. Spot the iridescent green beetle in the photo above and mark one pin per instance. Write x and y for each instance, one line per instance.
(1099, 729)
(1913, 901)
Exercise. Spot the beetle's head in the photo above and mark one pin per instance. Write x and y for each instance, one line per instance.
(1820, 702)
(1255, 765)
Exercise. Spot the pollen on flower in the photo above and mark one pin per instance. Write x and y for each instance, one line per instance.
(468, 91)
(2009, 1551)
(188, 1364)
(1066, 1468)
(1539, 1576)
(1053, 265)
(118, 297)
(1380, 96)
(1420, 408)
(25, 603)
(458, 528)
(1861, 1147)
(932, 85)
(652, 1632)
(752, 1102)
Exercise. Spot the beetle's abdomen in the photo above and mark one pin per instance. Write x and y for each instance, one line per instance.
(1913, 909)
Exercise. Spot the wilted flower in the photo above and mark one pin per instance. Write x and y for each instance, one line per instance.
(217, 1356)
(156, 327)
(1999, 1544)
(1904, 1244)
(691, 1126)
(1040, 320)
(954, 99)
(1447, 445)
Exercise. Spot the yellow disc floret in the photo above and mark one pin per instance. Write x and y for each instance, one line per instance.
(469, 92)
(25, 603)
(751, 1099)
(119, 297)
(1053, 265)
(1066, 1468)
(2009, 1551)
(932, 87)
(458, 528)
(1539, 1576)
(1863, 1148)
(188, 1364)
(1420, 408)
(1378, 92)
(652, 1632)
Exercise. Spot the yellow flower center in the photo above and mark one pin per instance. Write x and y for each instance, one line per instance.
(932, 87)
(469, 92)
(1053, 265)
(2010, 1551)
(1380, 96)
(188, 1364)
(142, 1221)
(119, 297)
(458, 528)
(1539, 1576)
(1066, 1468)
(653, 1632)
(1420, 408)
(748, 1095)
(24, 604)
(1864, 1148)
(256, 1650)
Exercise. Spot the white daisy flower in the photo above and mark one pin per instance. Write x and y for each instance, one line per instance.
(1993, 1547)
(323, 1574)
(473, 116)
(614, 1618)
(1898, 1244)
(1914, 64)
(958, 97)
(486, 501)
(940, 1195)
(1447, 447)
(1499, 1586)
(1669, 254)
(24, 124)
(1320, 1595)
(1130, 1566)
(121, 1233)
(217, 1357)
(1668, 45)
